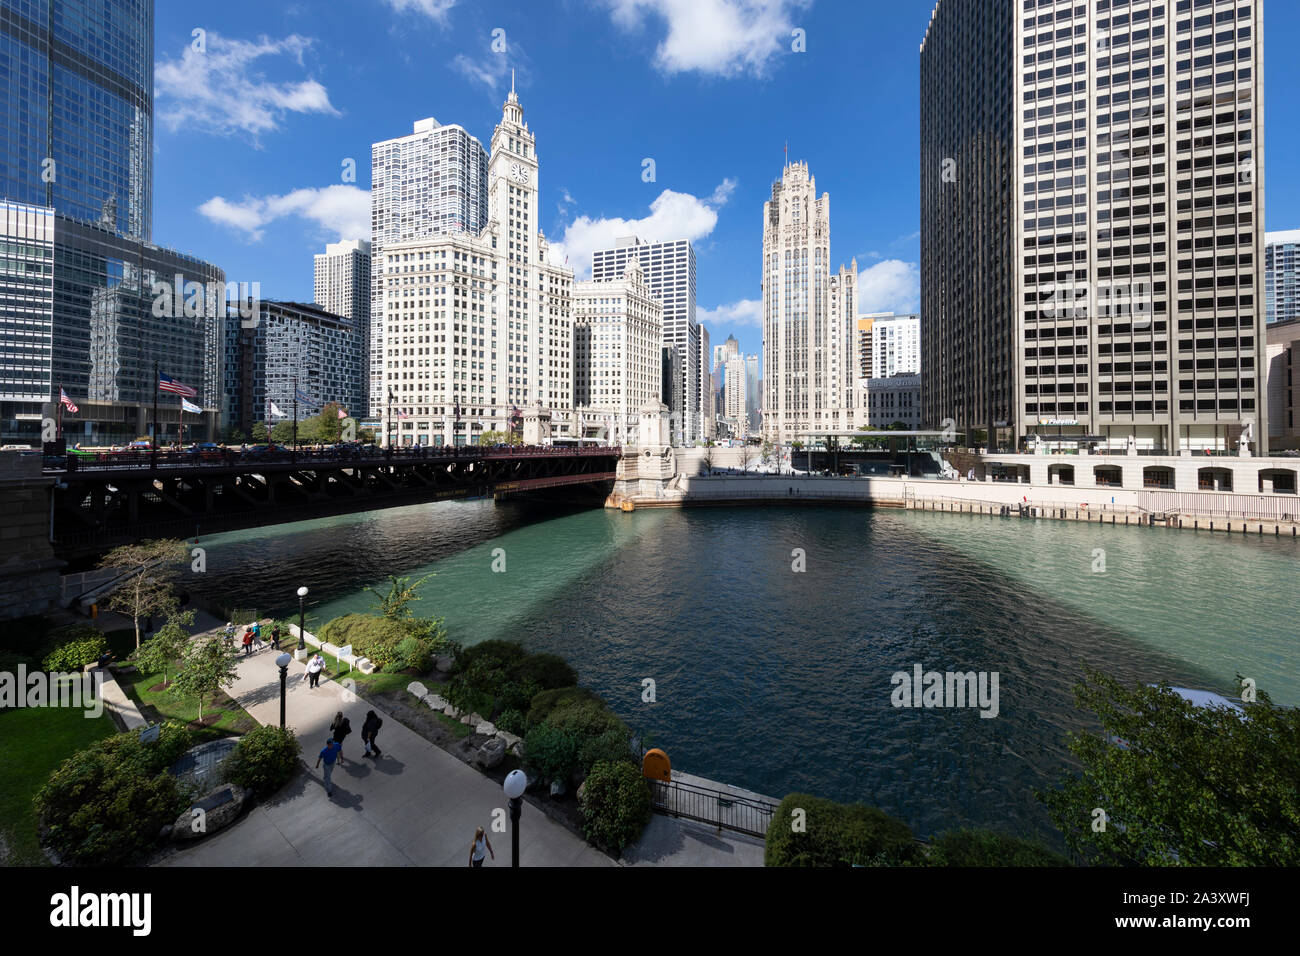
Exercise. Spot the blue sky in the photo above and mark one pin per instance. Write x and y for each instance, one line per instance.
(252, 131)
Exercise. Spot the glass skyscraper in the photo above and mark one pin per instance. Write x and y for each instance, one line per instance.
(87, 302)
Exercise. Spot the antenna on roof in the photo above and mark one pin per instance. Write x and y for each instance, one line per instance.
(512, 79)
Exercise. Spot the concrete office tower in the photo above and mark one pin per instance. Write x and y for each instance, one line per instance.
(735, 396)
(478, 327)
(753, 394)
(708, 415)
(88, 303)
(292, 343)
(343, 285)
(670, 272)
(895, 347)
(617, 362)
(809, 314)
(1282, 275)
(1092, 240)
(429, 183)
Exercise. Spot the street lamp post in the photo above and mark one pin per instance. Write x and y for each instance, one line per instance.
(283, 662)
(302, 619)
(515, 785)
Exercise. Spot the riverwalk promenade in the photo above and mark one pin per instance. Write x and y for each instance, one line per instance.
(1277, 515)
(416, 805)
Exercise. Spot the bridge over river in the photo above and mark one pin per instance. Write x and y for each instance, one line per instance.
(111, 499)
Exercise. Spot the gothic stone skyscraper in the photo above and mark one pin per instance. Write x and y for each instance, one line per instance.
(809, 314)
(1092, 239)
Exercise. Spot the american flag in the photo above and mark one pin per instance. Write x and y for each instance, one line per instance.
(168, 384)
(67, 402)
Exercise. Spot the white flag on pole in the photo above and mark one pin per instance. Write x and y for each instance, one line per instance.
(276, 413)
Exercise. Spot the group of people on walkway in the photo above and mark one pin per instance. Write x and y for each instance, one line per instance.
(252, 638)
(332, 752)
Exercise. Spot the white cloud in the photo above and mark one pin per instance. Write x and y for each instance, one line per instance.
(489, 70)
(889, 286)
(343, 210)
(744, 312)
(717, 37)
(673, 215)
(219, 89)
(435, 10)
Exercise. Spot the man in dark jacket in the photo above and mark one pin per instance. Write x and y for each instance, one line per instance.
(368, 731)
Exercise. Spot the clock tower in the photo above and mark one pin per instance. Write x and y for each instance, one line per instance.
(512, 175)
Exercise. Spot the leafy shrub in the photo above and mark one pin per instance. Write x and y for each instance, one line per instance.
(381, 639)
(105, 805)
(501, 654)
(989, 848)
(550, 754)
(264, 760)
(586, 719)
(545, 702)
(615, 805)
(512, 722)
(836, 835)
(547, 671)
(612, 746)
(414, 653)
(75, 646)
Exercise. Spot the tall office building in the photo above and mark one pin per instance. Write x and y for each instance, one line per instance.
(895, 344)
(734, 390)
(1091, 194)
(429, 183)
(670, 272)
(342, 285)
(753, 394)
(1282, 275)
(809, 314)
(77, 89)
(478, 326)
(87, 302)
(708, 420)
(617, 362)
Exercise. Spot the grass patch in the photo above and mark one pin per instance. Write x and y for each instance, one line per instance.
(162, 705)
(33, 742)
(458, 730)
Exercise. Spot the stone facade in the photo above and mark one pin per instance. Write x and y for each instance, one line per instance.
(29, 571)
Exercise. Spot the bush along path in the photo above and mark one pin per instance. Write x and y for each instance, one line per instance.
(416, 805)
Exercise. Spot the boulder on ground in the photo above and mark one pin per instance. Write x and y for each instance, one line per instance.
(508, 737)
(491, 753)
(210, 813)
(451, 711)
(443, 663)
(485, 727)
(472, 719)
(418, 689)
(435, 701)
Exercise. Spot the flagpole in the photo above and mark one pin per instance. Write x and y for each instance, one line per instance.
(154, 450)
(295, 418)
(58, 414)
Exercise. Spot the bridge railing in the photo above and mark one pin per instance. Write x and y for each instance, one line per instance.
(144, 460)
(724, 810)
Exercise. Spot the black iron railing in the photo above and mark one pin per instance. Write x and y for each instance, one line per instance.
(727, 811)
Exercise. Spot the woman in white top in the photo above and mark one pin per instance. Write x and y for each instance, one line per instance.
(480, 848)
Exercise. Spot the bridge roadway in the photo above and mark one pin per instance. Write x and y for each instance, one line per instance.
(115, 498)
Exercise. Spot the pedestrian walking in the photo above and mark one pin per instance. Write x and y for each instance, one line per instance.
(480, 848)
(340, 728)
(275, 636)
(314, 667)
(248, 641)
(230, 633)
(331, 753)
(368, 731)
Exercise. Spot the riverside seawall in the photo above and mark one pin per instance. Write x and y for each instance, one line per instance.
(1252, 514)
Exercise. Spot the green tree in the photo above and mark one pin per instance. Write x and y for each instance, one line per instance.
(500, 438)
(207, 667)
(396, 604)
(149, 570)
(1188, 785)
(282, 432)
(259, 432)
(168, 645)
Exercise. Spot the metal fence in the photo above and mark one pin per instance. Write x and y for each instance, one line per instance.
(727, 811)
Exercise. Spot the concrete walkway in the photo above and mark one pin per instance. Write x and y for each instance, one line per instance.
(417, 805)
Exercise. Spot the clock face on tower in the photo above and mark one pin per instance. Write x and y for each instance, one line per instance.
(518, 173)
